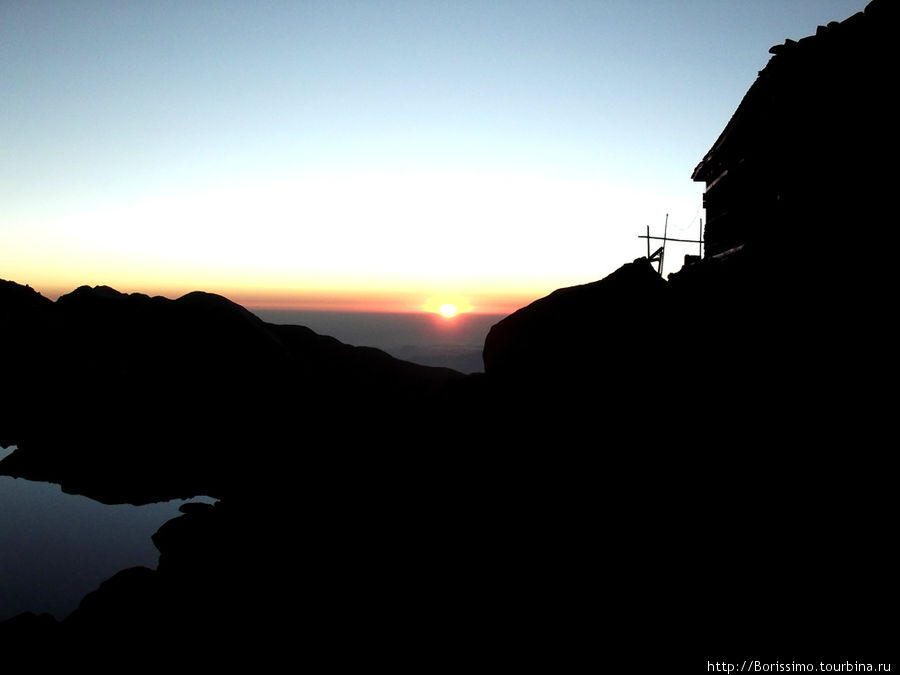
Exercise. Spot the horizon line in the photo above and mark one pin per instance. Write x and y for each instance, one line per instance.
(335, 301)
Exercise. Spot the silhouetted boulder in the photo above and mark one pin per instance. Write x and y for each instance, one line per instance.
(579, 332)
(130, 602)
(27, 626)
(581, 359)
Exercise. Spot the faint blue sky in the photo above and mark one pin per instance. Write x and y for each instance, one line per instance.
(312, 145)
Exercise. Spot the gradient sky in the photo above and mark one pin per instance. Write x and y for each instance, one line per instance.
(364, 154)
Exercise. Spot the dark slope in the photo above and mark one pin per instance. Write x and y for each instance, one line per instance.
(741, 504)
(650, 475)
(133, 398)
(736, 459)
(356, 496)
(582, 356)
(572, 332)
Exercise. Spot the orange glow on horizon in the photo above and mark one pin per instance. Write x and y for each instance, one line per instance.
(376, 300)
(55, 273)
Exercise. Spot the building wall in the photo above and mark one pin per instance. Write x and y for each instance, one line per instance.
(804, 161)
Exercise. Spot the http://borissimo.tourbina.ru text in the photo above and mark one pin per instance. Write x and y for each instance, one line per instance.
(796, 667)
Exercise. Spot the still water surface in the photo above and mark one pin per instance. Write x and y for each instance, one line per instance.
(55, 547)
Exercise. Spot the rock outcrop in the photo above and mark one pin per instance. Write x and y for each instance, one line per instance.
(572, 333)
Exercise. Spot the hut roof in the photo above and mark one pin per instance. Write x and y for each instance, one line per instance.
(790, 65)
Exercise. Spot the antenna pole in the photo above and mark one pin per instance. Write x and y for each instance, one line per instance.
(663, 253)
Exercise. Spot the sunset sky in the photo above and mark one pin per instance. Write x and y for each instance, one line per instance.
(364, 155)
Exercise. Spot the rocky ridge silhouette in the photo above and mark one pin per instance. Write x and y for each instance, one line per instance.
(341, 506)
(133, 398)
(649, 471)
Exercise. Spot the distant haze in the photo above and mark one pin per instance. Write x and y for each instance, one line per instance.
(427, 339)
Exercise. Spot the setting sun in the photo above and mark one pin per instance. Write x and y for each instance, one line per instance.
(447, 305)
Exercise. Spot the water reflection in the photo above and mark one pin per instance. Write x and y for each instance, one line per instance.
(56, 547)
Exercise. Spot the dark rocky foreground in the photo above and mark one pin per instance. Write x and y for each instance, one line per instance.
(647, 469)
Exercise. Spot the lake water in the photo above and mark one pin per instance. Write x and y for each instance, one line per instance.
(55, 547)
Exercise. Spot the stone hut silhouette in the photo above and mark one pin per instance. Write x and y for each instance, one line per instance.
(806, 160)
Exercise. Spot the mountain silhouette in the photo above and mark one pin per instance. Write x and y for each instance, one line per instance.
(649, 471)
(697, 471)
(132, 398)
